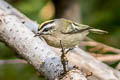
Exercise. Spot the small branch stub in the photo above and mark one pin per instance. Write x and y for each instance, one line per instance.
(74, 74)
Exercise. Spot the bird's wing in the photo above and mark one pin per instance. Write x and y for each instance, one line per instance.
(79, 28)
(74, 30)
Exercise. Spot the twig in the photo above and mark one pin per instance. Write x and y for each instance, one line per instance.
(14, 61)
(64, 60)
(109, 58)
(99, 46)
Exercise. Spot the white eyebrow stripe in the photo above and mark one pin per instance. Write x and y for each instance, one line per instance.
(74, 26)
(49, 25)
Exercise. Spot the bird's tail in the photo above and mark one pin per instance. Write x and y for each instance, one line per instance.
(98, 31)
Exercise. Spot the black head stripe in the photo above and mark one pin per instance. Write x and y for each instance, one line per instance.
(45, 23)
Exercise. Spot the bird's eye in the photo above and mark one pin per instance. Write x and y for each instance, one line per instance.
(46, 29)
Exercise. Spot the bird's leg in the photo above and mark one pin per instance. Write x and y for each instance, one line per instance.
(64, 60)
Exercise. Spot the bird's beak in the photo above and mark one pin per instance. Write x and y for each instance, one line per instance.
(37, 34)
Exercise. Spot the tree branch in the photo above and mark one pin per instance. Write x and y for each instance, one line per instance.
(109, 58)
(99, 46)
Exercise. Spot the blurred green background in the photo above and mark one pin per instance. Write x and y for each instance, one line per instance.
(102, 14)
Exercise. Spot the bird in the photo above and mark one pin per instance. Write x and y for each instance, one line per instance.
(70, 33)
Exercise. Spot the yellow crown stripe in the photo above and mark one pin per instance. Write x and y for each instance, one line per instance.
(46, 22)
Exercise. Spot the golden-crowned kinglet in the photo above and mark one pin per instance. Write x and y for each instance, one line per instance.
(68, 32)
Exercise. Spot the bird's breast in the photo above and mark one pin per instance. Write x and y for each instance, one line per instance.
(68, 40)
